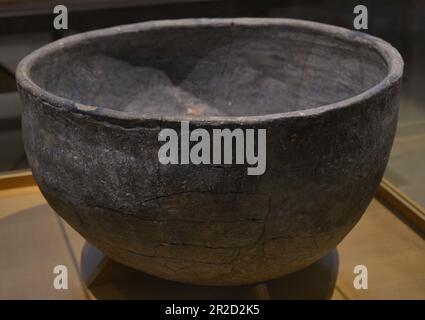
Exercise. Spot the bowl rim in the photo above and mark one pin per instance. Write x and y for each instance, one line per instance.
(389, 54)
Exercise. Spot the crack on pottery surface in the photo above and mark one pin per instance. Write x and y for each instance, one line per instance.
(202, 192)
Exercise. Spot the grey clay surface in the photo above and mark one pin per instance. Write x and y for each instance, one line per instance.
(94, 104)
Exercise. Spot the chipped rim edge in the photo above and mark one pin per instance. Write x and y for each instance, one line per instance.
(390, 55)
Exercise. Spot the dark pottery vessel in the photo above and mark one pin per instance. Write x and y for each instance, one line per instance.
(94, 104)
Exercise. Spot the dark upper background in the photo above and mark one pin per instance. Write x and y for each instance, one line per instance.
(26, 25)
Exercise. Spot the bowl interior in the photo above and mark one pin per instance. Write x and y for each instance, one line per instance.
(228, 70)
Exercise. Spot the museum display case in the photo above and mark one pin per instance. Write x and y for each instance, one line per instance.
(212, 150)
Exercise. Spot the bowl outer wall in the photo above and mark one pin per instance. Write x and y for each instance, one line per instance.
(103, 177)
